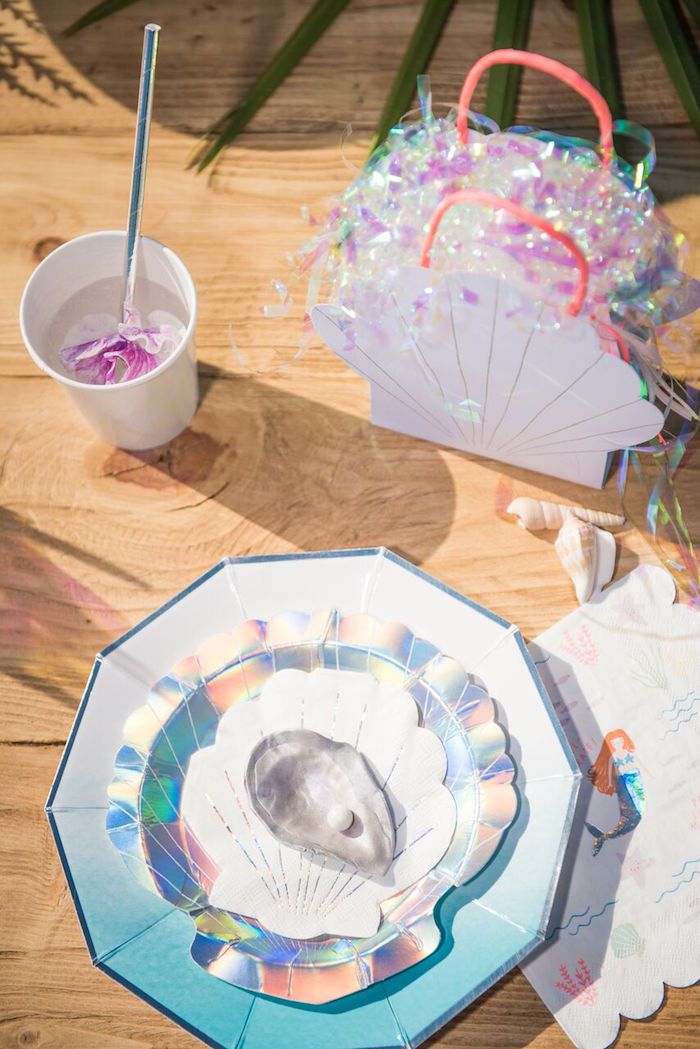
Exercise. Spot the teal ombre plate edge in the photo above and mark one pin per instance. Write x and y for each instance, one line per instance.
(403, 1010)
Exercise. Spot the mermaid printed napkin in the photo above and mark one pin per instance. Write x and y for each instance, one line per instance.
(624, 674)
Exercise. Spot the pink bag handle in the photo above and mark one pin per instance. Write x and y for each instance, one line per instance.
(483, 196)
(558, 70)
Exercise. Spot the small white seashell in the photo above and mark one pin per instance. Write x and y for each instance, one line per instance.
(587, 554)
(537, 514)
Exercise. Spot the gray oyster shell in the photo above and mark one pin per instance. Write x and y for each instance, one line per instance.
(295, 778)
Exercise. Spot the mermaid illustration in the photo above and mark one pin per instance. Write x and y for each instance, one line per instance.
(616, 771)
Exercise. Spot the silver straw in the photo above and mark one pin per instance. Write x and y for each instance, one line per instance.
(138, 170)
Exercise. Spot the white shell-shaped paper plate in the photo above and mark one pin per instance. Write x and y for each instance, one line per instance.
(304, 895)
(139, 883)
(466, 360)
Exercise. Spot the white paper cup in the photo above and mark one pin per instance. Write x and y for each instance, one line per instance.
(83, 277)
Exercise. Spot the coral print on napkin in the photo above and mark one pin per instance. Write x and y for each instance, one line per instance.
(624, 674)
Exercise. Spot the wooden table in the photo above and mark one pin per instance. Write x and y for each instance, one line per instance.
(93, 539)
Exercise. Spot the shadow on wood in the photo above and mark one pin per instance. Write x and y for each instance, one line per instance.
(47, 617)
(314, 476)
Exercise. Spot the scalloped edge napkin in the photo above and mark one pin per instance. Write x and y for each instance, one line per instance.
(626, 668)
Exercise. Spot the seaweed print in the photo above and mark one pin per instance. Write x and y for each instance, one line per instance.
(581, 646)
(580, 986)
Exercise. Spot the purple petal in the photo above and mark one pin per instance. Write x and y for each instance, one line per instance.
(152, 340)
(137, 349)
(88, 360)
(137, 360)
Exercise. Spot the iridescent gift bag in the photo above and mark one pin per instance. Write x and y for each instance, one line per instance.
(559, 241)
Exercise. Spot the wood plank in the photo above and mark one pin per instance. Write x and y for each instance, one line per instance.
(210, 55)
(96, 538)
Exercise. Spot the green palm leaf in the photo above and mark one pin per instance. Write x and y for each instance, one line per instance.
(420, 47)
(96, 14)
(674, 41)
(223, 132)
(598, 43)
(511, 30)
(693, 7)
(665, 19)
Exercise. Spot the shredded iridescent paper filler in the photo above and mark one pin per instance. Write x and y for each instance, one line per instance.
(649, 477)
(379, 222)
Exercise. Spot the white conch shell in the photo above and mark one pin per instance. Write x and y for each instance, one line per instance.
(538, 514)
(587, 554)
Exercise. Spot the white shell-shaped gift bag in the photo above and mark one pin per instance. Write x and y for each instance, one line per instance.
(469, 361)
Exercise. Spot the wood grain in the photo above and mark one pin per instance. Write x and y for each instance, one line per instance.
(93, 538)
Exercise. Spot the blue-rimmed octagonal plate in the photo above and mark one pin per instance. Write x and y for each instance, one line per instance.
(143, 938)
